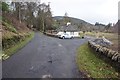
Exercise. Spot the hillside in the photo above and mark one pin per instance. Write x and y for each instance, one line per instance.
(13, 34)
(10, 19)
(11, 25)
(73, 20)
(83, 25)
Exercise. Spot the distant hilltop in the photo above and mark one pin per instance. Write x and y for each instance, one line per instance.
(82, 25)
(86, 26)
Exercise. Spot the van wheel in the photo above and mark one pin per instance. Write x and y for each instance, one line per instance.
(63, 37)
(82, 37)
(72, 37)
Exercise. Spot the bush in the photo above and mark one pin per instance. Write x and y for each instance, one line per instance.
(5, 6)
(9, 27)
(8, 42)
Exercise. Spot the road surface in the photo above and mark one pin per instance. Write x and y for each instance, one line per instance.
(44, 55)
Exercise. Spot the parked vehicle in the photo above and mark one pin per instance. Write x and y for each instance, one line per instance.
(65, 36)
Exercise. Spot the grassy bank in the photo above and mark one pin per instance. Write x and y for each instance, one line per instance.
(92, 66)
(10, 51)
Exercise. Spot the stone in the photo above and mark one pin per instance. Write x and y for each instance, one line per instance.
(114, 56)
(119, 58)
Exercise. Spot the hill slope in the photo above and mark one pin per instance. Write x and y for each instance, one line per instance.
(12, 31)
(83, 25)
(14, 35)
(10, 19)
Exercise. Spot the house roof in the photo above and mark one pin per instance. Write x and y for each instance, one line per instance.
(68, 28)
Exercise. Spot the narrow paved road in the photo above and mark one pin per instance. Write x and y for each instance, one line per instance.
(44, 55)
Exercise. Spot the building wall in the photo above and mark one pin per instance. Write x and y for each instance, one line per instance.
(76, 34)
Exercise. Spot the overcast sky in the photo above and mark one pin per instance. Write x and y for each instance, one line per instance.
(103, 11)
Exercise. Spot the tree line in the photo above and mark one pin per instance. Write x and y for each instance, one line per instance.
(35, 14)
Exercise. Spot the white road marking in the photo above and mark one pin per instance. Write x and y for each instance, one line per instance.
(59, 45)
(47, 76)
(31, 68)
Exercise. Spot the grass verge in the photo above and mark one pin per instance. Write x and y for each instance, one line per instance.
(9, 52)
(92, 66)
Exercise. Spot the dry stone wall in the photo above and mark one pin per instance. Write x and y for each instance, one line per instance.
(113, 55)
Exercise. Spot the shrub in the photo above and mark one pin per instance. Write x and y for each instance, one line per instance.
(9, 27)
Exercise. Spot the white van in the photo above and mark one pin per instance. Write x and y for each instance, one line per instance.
(64, 35)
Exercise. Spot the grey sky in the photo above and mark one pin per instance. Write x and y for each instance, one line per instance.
(119, 10)
(103, 11)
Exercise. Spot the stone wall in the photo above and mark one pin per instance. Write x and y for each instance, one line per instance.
(113, 55)
(49, 34)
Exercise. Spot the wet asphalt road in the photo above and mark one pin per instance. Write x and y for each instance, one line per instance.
(44, 55)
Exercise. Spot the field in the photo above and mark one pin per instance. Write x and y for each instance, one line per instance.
(113, 37)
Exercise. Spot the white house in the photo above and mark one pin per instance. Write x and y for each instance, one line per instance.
(68, 23)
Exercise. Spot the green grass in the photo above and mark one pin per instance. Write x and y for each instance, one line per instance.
(93, 34)
(9, 52)
(0, 54)
(9, 27)
(0, 18)
(110, 36)
(89, 63)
